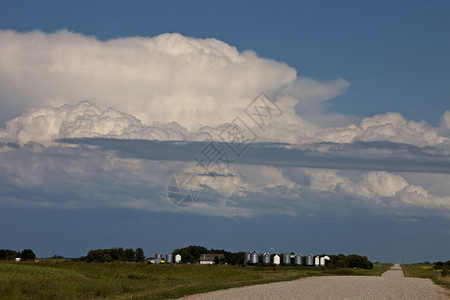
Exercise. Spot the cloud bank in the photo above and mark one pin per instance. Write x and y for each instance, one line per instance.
(87, 120)
(44, 177)
(151, 104)
(200, 81)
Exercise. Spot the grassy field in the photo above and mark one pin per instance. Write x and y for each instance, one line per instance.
(78, 280)
(425, 271)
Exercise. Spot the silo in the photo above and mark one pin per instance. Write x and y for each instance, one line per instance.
(266, 258)
(276, 260)
(177, 258)
(298, 259)
(287, 258)
(158, 257)
(309, 260)
(169, 258)
(322, 261)
(246, 257)
(317, 261)
(254, 257)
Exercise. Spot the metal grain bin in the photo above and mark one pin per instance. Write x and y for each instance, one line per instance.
(298, 259)
(266, 258)
(169, 258)
(158, 257)
(309, 260)
(287, 258)
(254, 257)
(276, 260)
(246, 257)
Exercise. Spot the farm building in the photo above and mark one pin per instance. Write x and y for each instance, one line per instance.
(208, 259)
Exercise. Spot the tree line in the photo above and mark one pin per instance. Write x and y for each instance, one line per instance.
(114, 254)
(7, 254)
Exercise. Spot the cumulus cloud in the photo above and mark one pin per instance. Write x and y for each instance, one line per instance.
(172, 79)
(46, 124)
(86, 120)
(163, 79)
(382, 135)
(377, 191)
(391, 127)
(166, 78)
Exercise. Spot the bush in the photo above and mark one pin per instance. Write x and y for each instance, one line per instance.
(351, 261)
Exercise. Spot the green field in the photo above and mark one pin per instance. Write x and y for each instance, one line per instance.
(426, 271)
(65, 279)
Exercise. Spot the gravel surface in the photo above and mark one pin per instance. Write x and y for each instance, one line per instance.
(391, 285)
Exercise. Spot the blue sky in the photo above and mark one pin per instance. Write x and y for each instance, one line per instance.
(364, 126)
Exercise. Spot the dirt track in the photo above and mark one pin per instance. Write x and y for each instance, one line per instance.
(391, 285)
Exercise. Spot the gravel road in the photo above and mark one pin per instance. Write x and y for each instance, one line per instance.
(391, 285)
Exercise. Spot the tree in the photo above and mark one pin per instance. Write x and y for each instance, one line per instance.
(27, 254)
(106, 258)
(140, 254)
(121, 254)
(356, 261)
(129, 254)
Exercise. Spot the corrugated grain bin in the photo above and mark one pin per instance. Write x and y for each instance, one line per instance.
(309, 260)
(276, 260)
(298, 259)
(169, 258)
(317, 261)
(246, 257)
(287, 258)
(158, 257)
(254, 257)
(266, 258)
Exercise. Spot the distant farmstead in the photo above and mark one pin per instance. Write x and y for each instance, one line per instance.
(208, 259)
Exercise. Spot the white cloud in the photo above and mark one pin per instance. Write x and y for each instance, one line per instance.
(391, 127)
(152, 82)
(166, 78)
(85, 119)
(81, 178)
(383, 184)
(172, 87)
(46, 124)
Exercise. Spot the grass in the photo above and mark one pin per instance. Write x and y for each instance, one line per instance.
(64, 279)
(377, 270)
(424, 271)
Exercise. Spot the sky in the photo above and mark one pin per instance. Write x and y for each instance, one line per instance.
(312, 127)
